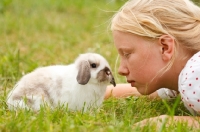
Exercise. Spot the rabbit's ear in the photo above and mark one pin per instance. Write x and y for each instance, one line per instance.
(83, 73)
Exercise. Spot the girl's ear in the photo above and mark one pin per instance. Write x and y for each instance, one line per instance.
(167, 47)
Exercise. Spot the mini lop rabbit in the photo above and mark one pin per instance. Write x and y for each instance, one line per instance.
(78, 85)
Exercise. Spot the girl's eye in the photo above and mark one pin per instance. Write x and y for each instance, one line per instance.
(93, 65)
(126, 54)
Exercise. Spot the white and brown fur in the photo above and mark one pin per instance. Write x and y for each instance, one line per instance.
(76, 85)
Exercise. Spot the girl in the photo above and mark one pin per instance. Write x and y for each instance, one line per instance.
(158, 42)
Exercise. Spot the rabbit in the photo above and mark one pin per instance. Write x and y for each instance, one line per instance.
(80, 85)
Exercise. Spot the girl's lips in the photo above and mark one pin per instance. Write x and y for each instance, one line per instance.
(131, 82)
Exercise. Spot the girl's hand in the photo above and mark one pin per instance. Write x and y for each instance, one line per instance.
(121, 90)
(165, 121)
(125, 90)
(158, 121)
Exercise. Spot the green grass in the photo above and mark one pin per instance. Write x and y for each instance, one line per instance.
(46, 32)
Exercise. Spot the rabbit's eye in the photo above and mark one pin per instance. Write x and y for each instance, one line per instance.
(93, 65)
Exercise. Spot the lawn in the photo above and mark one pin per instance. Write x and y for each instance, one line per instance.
(47, 32)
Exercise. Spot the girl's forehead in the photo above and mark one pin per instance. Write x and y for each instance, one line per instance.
(120, 34)
(123, 38)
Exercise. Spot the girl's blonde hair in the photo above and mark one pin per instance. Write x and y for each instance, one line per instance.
(153, 18)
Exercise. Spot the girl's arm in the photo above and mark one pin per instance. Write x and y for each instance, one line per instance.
(124, 90)
(169, 120)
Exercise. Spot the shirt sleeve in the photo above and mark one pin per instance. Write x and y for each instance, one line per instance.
(165, 93)
(189, 84)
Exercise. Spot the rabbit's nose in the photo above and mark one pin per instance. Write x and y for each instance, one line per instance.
(108, 73)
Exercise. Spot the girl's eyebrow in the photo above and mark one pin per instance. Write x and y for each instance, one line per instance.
(124, 48)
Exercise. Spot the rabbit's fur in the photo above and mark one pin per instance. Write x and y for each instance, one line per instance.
(76, 85)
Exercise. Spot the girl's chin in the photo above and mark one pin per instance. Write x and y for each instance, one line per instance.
(143, 90)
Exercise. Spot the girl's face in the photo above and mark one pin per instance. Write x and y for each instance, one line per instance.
(140, 61)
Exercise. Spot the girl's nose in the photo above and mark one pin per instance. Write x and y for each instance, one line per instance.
(123, 70)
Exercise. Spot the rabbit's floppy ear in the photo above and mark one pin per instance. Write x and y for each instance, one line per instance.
(83, 72)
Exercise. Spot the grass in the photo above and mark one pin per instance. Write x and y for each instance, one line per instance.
(39, 33)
